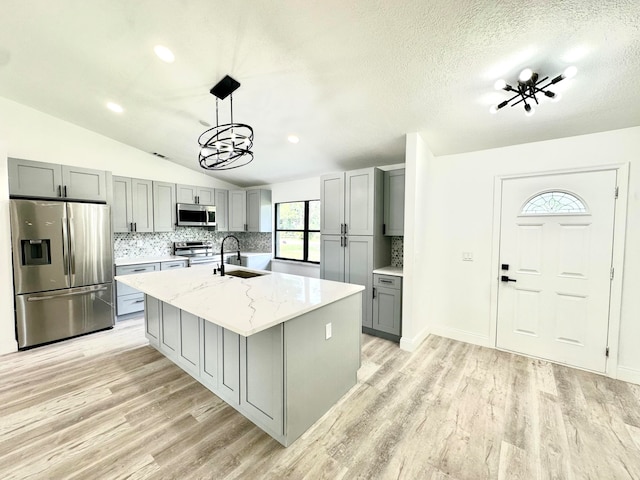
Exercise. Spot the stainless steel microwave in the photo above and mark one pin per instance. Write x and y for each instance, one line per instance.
(196, 215)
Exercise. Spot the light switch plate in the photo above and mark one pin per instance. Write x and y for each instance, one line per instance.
(327, 331)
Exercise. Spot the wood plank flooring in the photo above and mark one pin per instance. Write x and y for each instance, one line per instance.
(108, 406)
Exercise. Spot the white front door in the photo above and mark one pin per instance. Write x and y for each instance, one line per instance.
(556, 244)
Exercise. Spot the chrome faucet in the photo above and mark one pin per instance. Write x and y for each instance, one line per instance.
(222, 253)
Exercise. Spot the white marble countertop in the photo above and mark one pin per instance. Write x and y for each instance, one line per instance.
(119, 262)
(395, 271)
(254, 254)
(244, 306)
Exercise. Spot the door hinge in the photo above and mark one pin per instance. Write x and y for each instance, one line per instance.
(616, 192)
(611, 273)
(606, 353)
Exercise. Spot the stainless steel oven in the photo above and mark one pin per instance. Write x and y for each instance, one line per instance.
(195, 215)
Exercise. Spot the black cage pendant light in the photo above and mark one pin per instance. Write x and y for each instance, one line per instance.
(229, 145)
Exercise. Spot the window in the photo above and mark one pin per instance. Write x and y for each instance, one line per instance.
(298, 231)
(554, 202)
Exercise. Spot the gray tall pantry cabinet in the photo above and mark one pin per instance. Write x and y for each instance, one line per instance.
(352, 243)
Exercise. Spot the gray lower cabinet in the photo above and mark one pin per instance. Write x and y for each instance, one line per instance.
(387, 305)
(229, 355)
(188, 351)
(350, 259)
(128, 299)
(169, 330)
(152, 315)
(261, 364)
(28, 178)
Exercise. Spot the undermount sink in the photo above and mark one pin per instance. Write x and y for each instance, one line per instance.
(244, 274)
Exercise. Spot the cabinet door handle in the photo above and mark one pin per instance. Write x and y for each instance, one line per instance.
(384, 228)
(140, 270)
(374, 292)
(59, 190)
(342, 229)
(139, 301)
(246, 227)
(135, 227)
(382, 280)
(65, 190)
(197, 199)
(346, 229)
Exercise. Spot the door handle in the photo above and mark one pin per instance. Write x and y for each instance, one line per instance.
(135, 227)
(59, 190)
(504, 278)
(65, 191)
(374, 292)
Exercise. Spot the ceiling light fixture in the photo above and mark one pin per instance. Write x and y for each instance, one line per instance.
(293, 139)
(114, 107)
(529, 85)
(225, 146)
(164, 53)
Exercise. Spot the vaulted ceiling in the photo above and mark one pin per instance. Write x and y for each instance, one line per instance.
(349, 78)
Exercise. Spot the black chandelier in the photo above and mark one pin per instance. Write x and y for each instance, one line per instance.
(229, 145)
(528, 87)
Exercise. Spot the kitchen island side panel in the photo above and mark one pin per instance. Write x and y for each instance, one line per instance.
(320, 371)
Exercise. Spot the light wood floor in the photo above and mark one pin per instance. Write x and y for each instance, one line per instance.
(109, 406)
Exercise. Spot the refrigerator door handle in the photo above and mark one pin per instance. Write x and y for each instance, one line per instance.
(70, 294)
(65, 247)
(72, 241)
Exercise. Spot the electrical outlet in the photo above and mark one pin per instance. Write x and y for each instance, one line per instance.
(327, 331)
(467, 256)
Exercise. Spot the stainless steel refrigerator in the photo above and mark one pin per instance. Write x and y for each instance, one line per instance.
(62, 269)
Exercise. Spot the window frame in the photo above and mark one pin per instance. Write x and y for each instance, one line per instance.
(305, 233)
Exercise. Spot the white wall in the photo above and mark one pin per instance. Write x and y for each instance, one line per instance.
(7, 322)
(415, 325)
(459, 211)
(28, 133)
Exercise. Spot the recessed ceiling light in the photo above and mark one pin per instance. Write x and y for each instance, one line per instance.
(114, 107)
(293, 139)
(164, 53)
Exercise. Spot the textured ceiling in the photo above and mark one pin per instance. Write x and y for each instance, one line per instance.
(350, 78)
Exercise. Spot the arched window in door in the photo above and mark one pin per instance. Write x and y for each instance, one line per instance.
(554, 202)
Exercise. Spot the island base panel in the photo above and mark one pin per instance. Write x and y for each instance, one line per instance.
(283, 378)
(320, 371)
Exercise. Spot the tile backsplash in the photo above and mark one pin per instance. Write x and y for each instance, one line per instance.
(127, 245)
(397, 251)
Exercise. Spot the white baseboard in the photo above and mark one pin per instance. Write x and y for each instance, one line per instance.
(462, 336)
(8, 346)
(411, 344)
(627, 374)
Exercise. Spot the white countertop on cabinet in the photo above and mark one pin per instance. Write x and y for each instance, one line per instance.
(395, 271)
(120, 262)
(244, 306)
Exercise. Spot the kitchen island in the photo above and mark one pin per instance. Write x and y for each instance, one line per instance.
(281, 349)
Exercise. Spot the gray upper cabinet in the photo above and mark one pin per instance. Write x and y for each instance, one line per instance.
(142, 196)
(332, 204)
(186, 193)
(259, 217)
(205, 196)
(237, 210)
(132, 205)
(164, 207)
(348, 202)
(122, 205)
(28, 178)
(194, 194)
(222, 209)
(394, 202)
(84, 184)
(359, 199)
